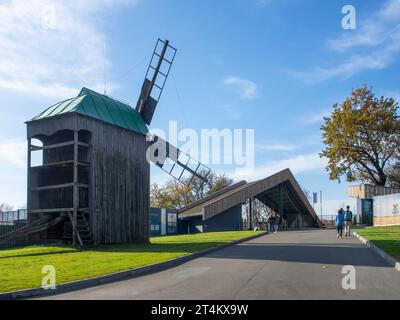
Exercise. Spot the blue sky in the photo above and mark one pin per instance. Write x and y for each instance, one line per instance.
(273, 66)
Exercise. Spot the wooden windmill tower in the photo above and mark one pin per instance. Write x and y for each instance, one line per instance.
(93, 183)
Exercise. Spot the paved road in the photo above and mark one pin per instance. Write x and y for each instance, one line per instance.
(287, 265)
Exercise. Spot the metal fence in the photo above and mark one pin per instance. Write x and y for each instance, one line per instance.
(9, 222)
(329, 221)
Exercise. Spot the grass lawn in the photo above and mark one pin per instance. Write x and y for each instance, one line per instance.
(21, 268)
(386, 238)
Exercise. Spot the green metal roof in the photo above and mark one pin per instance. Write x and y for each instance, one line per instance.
(98, 106)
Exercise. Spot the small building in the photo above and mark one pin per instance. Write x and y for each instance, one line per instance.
(92, 183)
(164, 222)
(365, 195)
(222, 211)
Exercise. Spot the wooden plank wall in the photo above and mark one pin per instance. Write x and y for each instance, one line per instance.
(119, 192)
(119, 183)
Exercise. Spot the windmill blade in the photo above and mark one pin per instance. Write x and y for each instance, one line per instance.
(177, 163)
(155, 79)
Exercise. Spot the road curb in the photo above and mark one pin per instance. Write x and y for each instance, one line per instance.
(388, 258)
(118, 276)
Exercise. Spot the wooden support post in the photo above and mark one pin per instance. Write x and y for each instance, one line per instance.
(280, 200)
(28, 198)
(320, 201)
(75, 192)
(251, 213)
(77, 233)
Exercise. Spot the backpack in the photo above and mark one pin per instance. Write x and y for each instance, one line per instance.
(348, 215)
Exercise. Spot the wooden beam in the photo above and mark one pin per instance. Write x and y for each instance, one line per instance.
(289, 193)
(266, 197)
(280, 200)
(28, 175)
(251, 213)
(75, 232)
(58, 145)
(146, 97)
(55, 210)
(61, 163)
(59, 186)
(50, 187)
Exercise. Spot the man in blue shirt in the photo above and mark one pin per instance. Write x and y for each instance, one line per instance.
(348, 218)
(340, 223)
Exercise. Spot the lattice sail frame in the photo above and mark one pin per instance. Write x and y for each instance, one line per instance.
(156, 76)
(177, 163)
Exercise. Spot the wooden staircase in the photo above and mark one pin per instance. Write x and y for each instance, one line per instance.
(37, 226)
(83, 228)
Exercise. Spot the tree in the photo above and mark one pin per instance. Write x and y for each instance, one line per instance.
(393, 174)
(176, 195)
(159, 197)
(4, 207)
(217, 182)
(362, 138)
(307, 194)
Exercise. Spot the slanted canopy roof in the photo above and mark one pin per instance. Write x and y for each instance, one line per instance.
(266, 190)
(196, 207)
(101, 107)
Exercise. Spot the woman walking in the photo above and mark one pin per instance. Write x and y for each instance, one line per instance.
(340, 223)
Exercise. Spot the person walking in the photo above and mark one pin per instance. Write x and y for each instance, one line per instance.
(271, 223)
(340, 223)
(280, 223)
(284, 222)
(348, 218)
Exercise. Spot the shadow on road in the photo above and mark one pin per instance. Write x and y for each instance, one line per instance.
(345, 254)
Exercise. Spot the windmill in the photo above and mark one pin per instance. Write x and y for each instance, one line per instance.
(91, 186)
(169, 158)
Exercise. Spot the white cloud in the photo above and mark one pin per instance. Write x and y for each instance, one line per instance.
(247, 88)
(373, 31)
(380, 33)
(391, 10)
(316, 117)
(49, 90)
(13, 152)
(276, 147)
(297, 164)
(369, 35)
(52, 48)
(377, 60)
(263, 3)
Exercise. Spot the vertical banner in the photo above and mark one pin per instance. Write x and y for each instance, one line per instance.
(315, 197)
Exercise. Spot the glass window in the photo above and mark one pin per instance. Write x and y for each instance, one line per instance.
(172, 223)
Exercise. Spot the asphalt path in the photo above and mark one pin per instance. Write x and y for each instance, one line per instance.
(304, 264)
